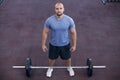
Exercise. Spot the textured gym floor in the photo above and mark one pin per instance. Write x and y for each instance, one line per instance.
(98, 29)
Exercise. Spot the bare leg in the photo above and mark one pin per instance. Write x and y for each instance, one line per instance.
(51, 62)
(50, 69)
(68, 62)
(71, 71)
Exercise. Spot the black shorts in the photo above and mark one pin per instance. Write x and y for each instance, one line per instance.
(62, 51)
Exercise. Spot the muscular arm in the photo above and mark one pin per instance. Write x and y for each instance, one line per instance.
(44, 38)
(74, 39)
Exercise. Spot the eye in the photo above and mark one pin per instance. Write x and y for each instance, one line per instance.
(56, 8)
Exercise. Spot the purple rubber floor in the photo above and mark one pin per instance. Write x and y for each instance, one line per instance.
(98, 29)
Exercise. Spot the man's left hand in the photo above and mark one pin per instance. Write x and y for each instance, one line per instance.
(73, 48)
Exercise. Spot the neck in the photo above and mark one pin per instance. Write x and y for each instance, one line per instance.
(59, 17)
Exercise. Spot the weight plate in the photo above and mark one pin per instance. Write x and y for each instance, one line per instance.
(90, 67)
(28, 63)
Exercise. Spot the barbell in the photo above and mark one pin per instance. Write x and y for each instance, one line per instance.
(28, 67)
(1, 2)
(109, 1)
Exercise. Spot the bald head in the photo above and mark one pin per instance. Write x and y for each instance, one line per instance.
(59, 4)
(59, 9)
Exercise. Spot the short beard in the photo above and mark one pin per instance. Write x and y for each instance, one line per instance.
(60, 14)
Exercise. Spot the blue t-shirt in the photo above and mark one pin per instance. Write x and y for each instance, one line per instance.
(59, 29)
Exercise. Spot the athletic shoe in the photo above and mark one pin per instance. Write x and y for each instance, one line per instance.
(49, 72)
(71, 71)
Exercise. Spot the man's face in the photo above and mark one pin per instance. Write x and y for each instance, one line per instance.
(59, 9)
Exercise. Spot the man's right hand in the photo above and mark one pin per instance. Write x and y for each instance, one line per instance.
(44, 48)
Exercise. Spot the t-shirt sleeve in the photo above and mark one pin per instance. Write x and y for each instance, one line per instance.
(72, 24)
(47, 24)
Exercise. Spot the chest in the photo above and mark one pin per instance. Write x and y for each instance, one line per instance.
(59, 25)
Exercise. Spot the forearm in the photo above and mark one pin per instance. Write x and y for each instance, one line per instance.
(44, 38)
(74, 39)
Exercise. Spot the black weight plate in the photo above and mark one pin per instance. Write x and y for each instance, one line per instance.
(28, 63)
(1, 1)
(90, 67)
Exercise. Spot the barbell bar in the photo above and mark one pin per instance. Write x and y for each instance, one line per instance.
(44, 67)
(28, 67)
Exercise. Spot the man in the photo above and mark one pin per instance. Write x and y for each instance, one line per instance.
(59, 26)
